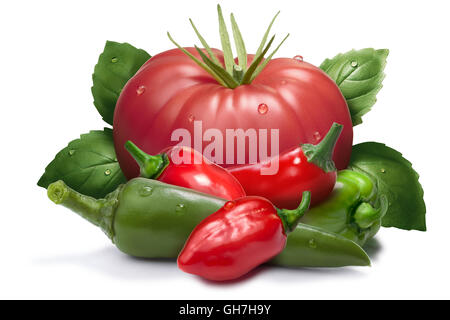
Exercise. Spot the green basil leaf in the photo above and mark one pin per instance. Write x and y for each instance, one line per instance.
(397, 180)
(116, 65)
(359, 75)
(87, 165)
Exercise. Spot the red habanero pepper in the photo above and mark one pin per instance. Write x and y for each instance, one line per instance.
(306, 167)
(185, 167)
(237, 238)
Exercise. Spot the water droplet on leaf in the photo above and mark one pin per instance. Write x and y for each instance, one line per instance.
(107, 172)
(263, 108)
(298, 58)
(114, 60)
(145, 191)
(312, 244)
(71, 152)
(354, 64)
(383, 170)
(140, 90)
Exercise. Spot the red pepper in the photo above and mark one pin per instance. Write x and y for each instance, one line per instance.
(306, 167)
(240, 236)
(189, 170)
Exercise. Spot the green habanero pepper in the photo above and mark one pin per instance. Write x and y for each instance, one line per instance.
(151, 219)
(353, 210)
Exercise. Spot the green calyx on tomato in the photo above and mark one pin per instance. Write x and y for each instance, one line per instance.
(233, 74)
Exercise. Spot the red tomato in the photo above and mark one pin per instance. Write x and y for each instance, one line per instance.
(170, 91)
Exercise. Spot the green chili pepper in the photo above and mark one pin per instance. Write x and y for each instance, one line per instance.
(151, 219)
(354, 209)
(309, 246)
(143, 218)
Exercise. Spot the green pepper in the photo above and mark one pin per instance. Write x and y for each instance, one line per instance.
(151, 219)
(353, 210)
(144, 218)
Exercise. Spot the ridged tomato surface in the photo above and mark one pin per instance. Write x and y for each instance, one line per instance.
(170, 92)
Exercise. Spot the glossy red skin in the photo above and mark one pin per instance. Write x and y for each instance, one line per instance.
(295, 175)
(205, 176)
(302, 101)
(233, 241)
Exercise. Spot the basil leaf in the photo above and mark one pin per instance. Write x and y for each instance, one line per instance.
(397, 180)
(359, 75)
(87, 165)
(116, 65)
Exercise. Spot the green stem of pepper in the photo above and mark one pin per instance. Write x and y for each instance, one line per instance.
(366, 215)
(321, 153)
(151, 166)
(291, 218)
(99, 212)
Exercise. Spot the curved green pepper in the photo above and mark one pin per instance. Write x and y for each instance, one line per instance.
(144, 218)
(151, 219)
(353, 210)
(309, 246)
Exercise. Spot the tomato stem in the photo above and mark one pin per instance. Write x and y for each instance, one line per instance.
(220, 72)
(238, 73)
(239, 43)
(200, 63)
(205, 44)
(228, 75)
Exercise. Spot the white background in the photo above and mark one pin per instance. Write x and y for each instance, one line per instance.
(48, 51)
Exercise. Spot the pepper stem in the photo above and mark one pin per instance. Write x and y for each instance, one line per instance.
(291, 218)
(366, 215)
(321, 153)
(151, 166)
(99, 212)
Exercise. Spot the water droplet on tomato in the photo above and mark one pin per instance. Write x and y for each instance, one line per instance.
(180, 208)
(71, 152)
(317, 135)
(191, 118)
(229, 205)
(354, 64)
(312, 244)
(297, 160)
(145, 191)
(298, 58)
(283, 82)
(140, 90)
(107, 172)
(114, 60)
(263, 108)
